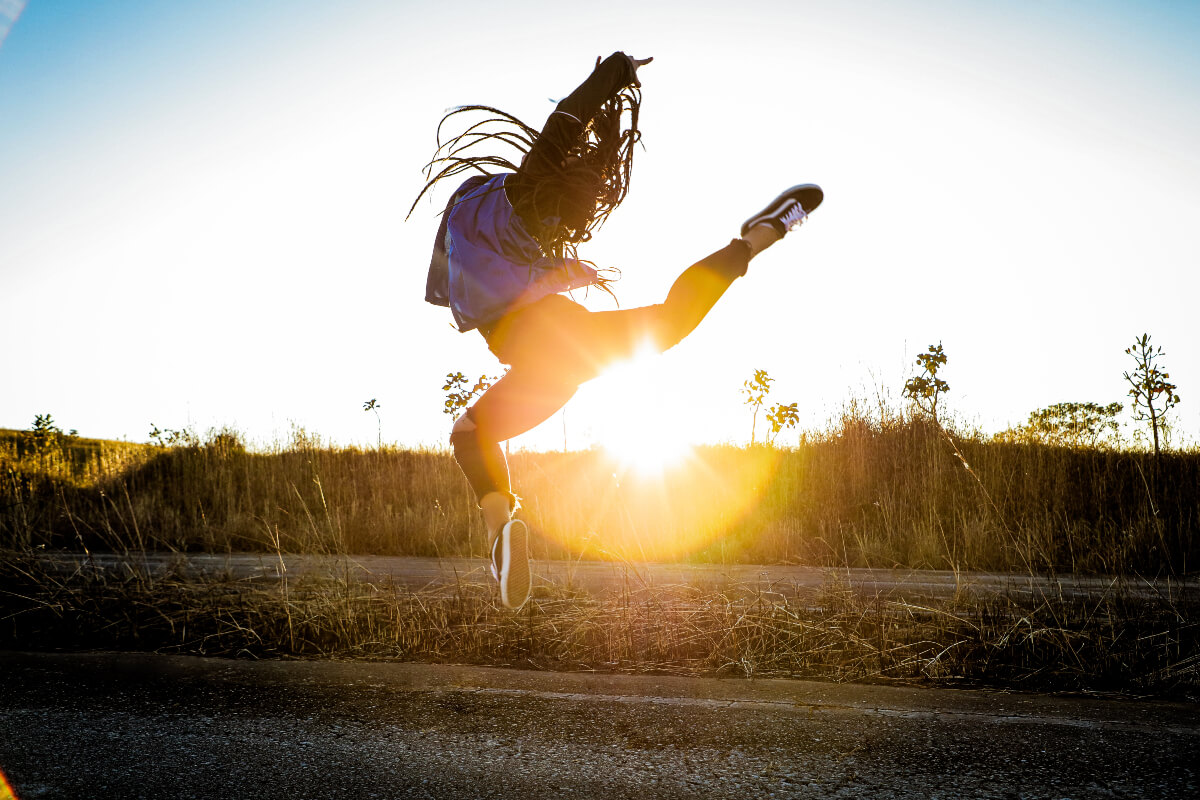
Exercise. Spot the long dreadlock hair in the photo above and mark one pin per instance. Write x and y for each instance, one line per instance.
(562, 194)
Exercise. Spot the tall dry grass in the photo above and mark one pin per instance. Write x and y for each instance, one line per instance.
(868, 492)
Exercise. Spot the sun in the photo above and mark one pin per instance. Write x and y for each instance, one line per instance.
(634, 432)
(646, 450)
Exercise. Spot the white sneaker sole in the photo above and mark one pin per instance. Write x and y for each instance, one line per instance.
(514, 564)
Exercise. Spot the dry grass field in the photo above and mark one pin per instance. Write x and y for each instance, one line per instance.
(898, 495)
(901, 494)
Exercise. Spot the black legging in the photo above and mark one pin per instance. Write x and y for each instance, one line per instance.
(555, 344)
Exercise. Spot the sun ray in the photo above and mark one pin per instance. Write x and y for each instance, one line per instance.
(632, 429)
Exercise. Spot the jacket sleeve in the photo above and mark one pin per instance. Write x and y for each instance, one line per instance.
(568, 120)
(610, 77)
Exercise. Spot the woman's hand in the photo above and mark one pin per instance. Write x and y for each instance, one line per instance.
(635, 62)
(638, 62)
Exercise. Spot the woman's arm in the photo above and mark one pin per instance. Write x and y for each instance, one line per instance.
(607, 79)
(567, 122)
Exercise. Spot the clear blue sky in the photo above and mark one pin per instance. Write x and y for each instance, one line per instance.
(202, 204)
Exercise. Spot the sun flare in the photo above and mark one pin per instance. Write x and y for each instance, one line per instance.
(632, 429)
(644, 451)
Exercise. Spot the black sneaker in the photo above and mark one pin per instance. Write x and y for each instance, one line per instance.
(789, 210)
(510, 563)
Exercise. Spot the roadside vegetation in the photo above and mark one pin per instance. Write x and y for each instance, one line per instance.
(873, 491)
(880, 492)
(887, 488)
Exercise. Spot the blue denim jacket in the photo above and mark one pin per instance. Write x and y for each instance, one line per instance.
(485, 264)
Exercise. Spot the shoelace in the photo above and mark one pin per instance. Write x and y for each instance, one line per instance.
(794, 218)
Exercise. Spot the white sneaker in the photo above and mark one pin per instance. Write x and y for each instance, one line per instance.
(510, 563)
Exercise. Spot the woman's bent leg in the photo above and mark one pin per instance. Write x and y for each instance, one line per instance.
(516, 403)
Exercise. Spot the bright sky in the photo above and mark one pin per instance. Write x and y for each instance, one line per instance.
(202, 205)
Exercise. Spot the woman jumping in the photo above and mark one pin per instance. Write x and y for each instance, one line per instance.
(505, 254)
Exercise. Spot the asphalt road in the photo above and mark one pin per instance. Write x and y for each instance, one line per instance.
(146, 726)
(597, 578)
